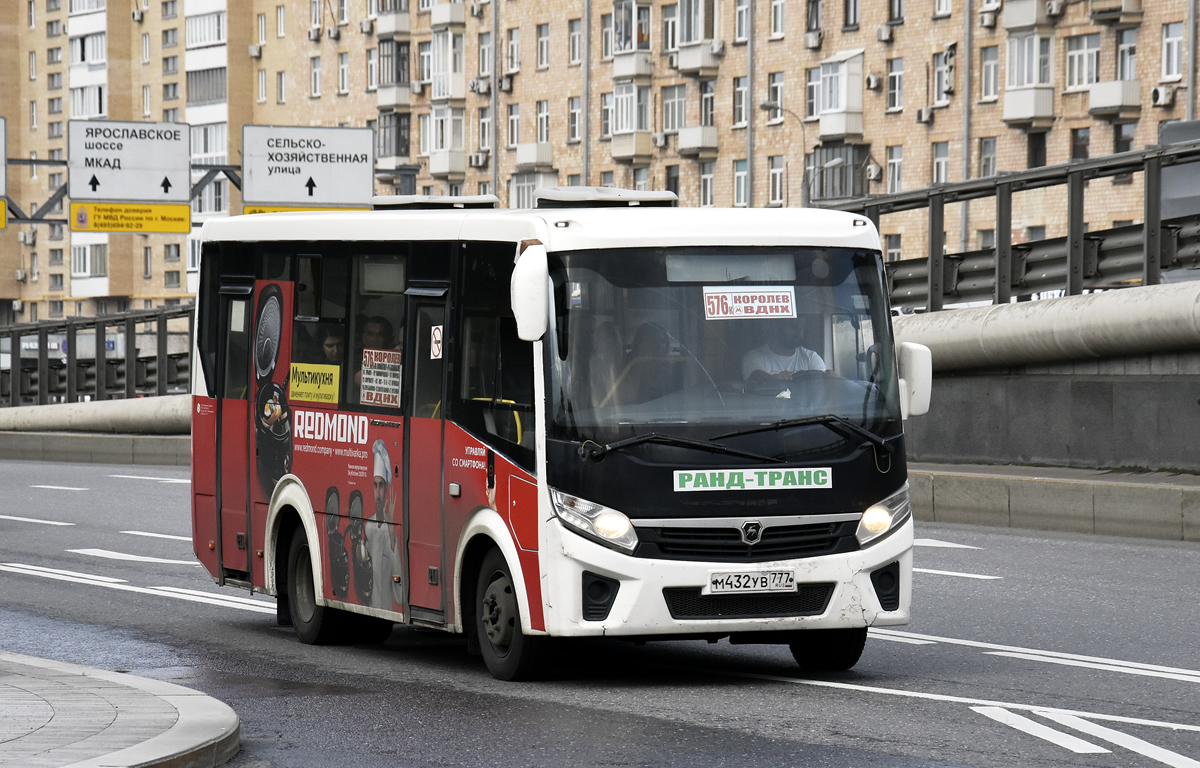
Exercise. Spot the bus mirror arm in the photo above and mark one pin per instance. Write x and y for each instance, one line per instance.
(916, 378)
(530, 292)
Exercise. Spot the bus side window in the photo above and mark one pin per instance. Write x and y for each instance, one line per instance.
(237, 350)
(377, 328)
(319, 330)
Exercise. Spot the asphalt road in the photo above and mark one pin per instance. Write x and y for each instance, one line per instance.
(1078, 650)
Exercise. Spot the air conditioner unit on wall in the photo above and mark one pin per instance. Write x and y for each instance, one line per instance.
(477, 10)
(366, 26)
(505, 84)
(20, 275)
(480, 85)
(874, 172)
(873, 82)
(718, 48)
(314, 34)
(477, 159)
(416, 87)
(18, 305)
(925, 115)
(1162, 95)
(138, 16)
(660, 140)
(256, 51)
(884, 33)
(812, 40)
(673, 60)
(987, 19)
(333, 33)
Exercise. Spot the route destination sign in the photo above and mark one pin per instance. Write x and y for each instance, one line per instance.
(307, 167)
(129, 177)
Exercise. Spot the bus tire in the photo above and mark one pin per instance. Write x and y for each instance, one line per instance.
(509, 653)
(313, 624)
(828, 650)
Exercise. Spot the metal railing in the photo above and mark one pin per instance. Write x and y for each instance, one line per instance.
(1119, 257)
(97, 358)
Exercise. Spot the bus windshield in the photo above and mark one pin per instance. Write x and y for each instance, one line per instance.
(717, 338)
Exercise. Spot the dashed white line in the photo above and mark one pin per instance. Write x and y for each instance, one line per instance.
(1133, 744)
(942, 544)
(158, 535)
(59, 487)
(956, 573)
(896, 639)
(1034, 728)
(1187, 678)
(156, 479)
(61, 572)
(32, 520)
(227, 598)
(110, 555)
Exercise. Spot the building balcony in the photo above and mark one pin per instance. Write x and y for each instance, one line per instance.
(535, 156)
(392, 158)
(838, 125)
(632, 147)
(448, 87)
(448, 14)
(631, 65)
(1029, 107)
(1116, 99)
(698, 141)
(700, 58)
(392, 24)
(1121, 12)
(448, 164)
(1023, 14)
(393, 95)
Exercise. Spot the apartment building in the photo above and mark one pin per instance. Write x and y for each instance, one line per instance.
(725, 102)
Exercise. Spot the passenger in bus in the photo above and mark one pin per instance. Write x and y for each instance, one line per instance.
(376, 333)
(333, 341)
(783, 354)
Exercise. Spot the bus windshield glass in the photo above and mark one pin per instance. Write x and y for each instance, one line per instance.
(718, 338)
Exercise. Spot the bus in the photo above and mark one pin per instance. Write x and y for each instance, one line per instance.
(640, 422)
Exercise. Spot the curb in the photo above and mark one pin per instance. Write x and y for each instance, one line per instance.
(206, 734)
(92, 448)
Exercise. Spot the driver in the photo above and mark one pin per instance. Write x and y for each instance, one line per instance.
(783, 354)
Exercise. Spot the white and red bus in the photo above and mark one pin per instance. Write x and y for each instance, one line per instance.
(638, 422)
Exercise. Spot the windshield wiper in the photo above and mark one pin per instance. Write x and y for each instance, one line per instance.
(836, 423)
(598, 451)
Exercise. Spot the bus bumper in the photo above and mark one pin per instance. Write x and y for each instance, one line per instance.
(641, 608)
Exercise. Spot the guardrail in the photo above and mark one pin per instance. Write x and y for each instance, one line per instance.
(1133, 255)
(132, 354)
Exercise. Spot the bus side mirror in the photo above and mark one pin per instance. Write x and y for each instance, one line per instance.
(530, 293)
(916, 379)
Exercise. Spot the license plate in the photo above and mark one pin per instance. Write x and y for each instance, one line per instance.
(749, 581)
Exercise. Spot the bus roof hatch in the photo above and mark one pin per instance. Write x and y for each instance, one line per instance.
(601, 197)
(432, 202)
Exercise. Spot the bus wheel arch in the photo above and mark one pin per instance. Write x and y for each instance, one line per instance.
(509, 652)
(290, 511)
(486, 529)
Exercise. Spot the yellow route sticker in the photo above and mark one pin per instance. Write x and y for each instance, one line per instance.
(315, 383)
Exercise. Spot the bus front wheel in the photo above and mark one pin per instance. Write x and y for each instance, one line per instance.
(828, 650)
(509, 653)
(314, 624)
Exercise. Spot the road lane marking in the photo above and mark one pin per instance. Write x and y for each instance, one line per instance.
(907, 640)
(158, 535)
(110, 555)
(157, 479)
(940, 543)
(41, 569)
(32, 520)
(159, 591)
(1131, 743)
(230, 598)
(1192, 678)
(1036, 651)
(956, 573)
(964, 700)
(59, 487)
(1034, 728)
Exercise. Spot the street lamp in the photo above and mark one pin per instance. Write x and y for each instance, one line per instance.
(775, 106)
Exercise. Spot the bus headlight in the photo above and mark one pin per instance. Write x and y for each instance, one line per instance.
(883, 518)
(608, 526)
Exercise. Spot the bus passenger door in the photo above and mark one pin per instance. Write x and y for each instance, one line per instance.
(233, 433)
(423, 460)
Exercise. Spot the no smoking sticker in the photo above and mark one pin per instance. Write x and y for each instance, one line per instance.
(435, 343)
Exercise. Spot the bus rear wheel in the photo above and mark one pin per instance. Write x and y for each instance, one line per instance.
(509, 653)
(828, 650)
(313, 624)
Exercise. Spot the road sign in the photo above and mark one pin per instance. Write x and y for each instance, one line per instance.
(145, 218)
(308, 166)
(3, 172)
(129, 162)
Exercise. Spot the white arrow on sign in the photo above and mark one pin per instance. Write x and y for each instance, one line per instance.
(129, 162)
(307, 166)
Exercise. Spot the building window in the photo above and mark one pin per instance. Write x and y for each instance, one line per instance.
(280, 21)
(262, 28)
(209, 143)
(1127, 54)
(314, 69)
(895, 84)
(812, 92)
(204, 30)
(170, 37)
(606, 115)
(31, 8)
(987, 156)
(88, 101)
(55, 130)
(485, 54)
(1080, 139)
(895, 169)
(775, 179)
(943, 85)
(706, 184)
(54, 28)
(777, 18)
(485, 187)
(775, 94)
(89, 261)
(696, 20)
(425, 62)
(708, 89)
(56, 280)
(89, 49)
(1035, 234)
(641, 179)
(514, 49)
(280, 87)
(851, 14)
(447, 129)
(373, 68)
(171, 115)
(606, 36)
(985, 239)
(206, 86)
(606, 179)
(170, 65)
(423, 140)
(1172, 50)
(54, 105)
(514, 124)
(1036, 150)
(740, 190)
(674, 101)
(171, 91)
(574, 180)
(941, 162)
(941, 8)
(54, 55)
(574, 118)
(543, 45)
(523, 187)
(1123, 137)
(891, 247)
(631, 26)
(1083, 60)
(171, 278)
(670, 27)
(1028, 61)
(814, 15)
(54, 81)
(33, 65)
(146, 48)
(739, 101)
(831, 87)
(393, 134)
(314, 13)
(575, 41)
(989, 81)
(632, 108)
(343, 73)
(895, 11)
(33, 115)
(543, 121)
(741, 14)
(171, 252)
(170, 9)
(485, 128)
(393, 62)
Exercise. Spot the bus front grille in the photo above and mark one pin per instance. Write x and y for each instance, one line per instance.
(688, 603)
(725, 545)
